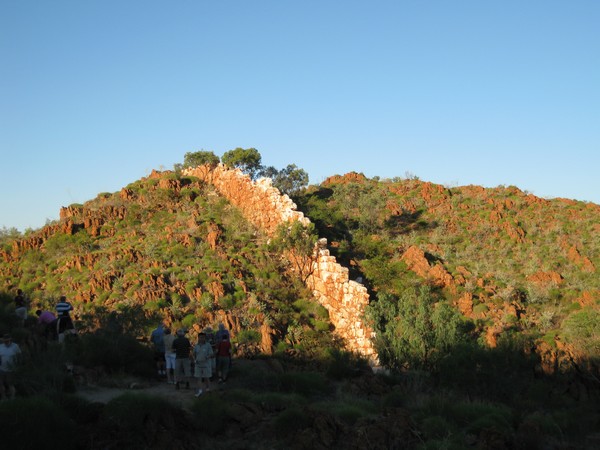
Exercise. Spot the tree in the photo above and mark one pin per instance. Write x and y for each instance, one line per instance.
(289, 180)
(194, 159)
(297, 241)
(248, 160)
(414, 330)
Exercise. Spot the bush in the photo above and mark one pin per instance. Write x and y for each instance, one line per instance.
(395, 399)
(277, 401)
(116, 353)
(414, 329)
(435, 427)
(35, 423)
(290, 421)
(43, 373)
(211, 414)
(79, 409)
(582, 329)
(305, 383)
(137, 419)
(341, 364)
(348, 409)
(248, 337)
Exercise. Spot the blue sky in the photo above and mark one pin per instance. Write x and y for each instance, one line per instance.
(96, 94)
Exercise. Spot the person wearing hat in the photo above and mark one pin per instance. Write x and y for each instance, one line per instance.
(8, 353)
(182, 348)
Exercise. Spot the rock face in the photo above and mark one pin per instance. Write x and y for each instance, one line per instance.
(345, 300)
(264, 206)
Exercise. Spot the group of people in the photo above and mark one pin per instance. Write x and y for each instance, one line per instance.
(180, 362)
(177, 360)
(53, 326)
(59, 326)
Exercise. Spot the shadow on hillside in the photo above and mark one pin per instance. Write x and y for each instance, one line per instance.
(510, 374)
(407, 222)
(130, 319)
(473, 398)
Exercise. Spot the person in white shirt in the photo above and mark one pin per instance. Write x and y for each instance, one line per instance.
(8, 352)
(203, 356)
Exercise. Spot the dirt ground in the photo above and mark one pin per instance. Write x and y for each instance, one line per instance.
(103, 392)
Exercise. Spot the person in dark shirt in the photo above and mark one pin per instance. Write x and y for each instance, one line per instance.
(64, 327)
(182, 348)
(158, 343)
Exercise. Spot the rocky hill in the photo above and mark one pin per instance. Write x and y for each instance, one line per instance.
(492, 293)
(510, 262)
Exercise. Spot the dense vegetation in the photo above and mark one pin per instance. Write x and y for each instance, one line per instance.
(492, 337)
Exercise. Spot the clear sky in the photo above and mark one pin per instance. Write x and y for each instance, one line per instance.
(95, 94)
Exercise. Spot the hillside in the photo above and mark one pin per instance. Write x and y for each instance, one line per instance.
(165, 247)
(482, 299)
(510, 262)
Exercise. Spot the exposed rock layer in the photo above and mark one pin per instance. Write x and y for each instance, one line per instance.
(265, 207)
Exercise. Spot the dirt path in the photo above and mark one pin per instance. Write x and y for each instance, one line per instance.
(182, 398)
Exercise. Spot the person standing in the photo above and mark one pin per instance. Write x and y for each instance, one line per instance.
(170, 356)
(64, 327)
(211, 339)
(220, 334)
(203, 357)
(223, 358)
(20, 307)
(45, 320)
(8, 353)
(222, 331)
(63, 306)
(158, 343)
(182, 347)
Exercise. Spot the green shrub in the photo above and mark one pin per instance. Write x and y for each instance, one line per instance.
(80, 410)
(227, 302)
(480, 308)
(305, 383)
(348, 409)
(137, 419)
(348, 414)
(479, 415)
(394, 399)
(435, 427)
(211, 414)
(43, 372)
(278, 401)
(188, 321)
(248, 337)
(116, 353)
(34, 423)
(582, 329)
(342, 364)
(291, 421)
